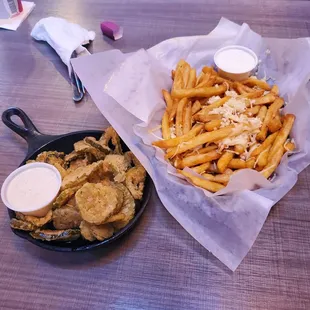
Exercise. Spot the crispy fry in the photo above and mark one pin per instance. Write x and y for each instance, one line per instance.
(178, 82)
(186, 73)
(288, 123)
(228, 171)
(207, 69)
(239, 88)
(203, 150)
(204, 138)
(201, 168)
(208, 185)
(289, 146)
(165, 126)
(252, 111)
(253, 95)
(255, 82)
(239, 148)
(198, 92)
(269, 98)
(270, 139)
(192, 78)
(168, 99)
(179, 117)
(219, 178)
(187, 118)
(204, 81)
(224, 160)
(172, 74)
(199, 78)
(271, 112)
(170, 143)
(195, 160)
(262, 158)
(275, 90)
(262, 113)
(212, 125)
(275, 123)
(250, 163)
(273, 162)
(204, 118)
(196, 107)
(237, 163)
(173, 111)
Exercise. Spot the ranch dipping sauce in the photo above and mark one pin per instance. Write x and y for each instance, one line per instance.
(235, 62)
(31, 189)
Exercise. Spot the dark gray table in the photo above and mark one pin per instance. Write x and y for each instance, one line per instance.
(158, 266)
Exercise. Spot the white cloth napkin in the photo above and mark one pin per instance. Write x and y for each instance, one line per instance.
(14, 22)
(64, 37)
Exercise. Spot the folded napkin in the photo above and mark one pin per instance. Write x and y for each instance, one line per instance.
(64, 37)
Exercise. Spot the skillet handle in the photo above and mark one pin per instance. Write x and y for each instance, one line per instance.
(29, 132)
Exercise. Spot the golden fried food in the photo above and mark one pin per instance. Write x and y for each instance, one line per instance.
(242, 122)
(56, 235)
(66, 217)
(65, 196)
(22, 225)
(135, 179)
(86, 231)
(36, 221)
(98, 202)
(111, 136)
(102, 232)
(116, 165)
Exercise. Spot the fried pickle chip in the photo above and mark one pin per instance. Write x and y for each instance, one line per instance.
(22, 225)
(77, 163)
(65, 196)
(66, 217)
(110, 135)
(132, 159)
(102, 232)
(51, 157)
(80, 176)
(97, 145)
(135, 178)
(82, 147)
(98, 202)
(56, 235)
(127, 211)
(36, 221)
(86, 231)
(116, 165)
(73, 156)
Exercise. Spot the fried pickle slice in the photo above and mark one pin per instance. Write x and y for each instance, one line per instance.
(56, 235)
(97, 145)
(66, 217)
(116, 165)
(36, 221)
(98, 202)
(65, 196)
(86, 231)
(135, 179)
(80, 176)
(22, 225)
(102, 232)
(110, 135)
(83, 148)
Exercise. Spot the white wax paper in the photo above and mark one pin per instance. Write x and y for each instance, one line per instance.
(127, 90)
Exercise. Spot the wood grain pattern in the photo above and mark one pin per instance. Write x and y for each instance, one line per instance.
(158, 266)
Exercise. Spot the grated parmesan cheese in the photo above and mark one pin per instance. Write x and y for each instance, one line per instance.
(231, 93)
(213, 99)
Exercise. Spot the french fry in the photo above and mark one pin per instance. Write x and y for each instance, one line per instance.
(168, 99)
(237, 163)
(220, 80)
(239, 88)
(204, 118)
(196, 107)
(202, 150)
(198, 92)
(186, 73)
(262, 113)
(275, 123)
(170, 143)
(208, 185)
(204, 138)
(201, 168)
(256, 82)
(239, 148)
(179, 117)
(275, 90)
(165, 126)
(200, 78)
(250, 163)
(172, 74)
(267, 99)
(288, 123)
(253, 95)
(289, 146)
(271, 112)
(204, 80)
(252, 111)
(262, 159)
(187, 118)
(178, 82)
(269, 140)
(273, 162)
(173, 111)
(224, 160)
(192, 78)
(219, 178)
(195, 160)
(228, 171)
(212, 125)
(207, 69)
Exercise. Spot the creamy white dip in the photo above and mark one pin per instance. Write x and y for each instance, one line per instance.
(32, 188)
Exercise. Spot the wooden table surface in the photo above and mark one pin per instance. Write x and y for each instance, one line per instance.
(159, 265)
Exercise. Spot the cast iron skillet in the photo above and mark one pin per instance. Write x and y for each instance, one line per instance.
(37, 143)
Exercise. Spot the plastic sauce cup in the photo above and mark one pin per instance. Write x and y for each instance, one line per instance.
(235, 62)
(31, 189)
